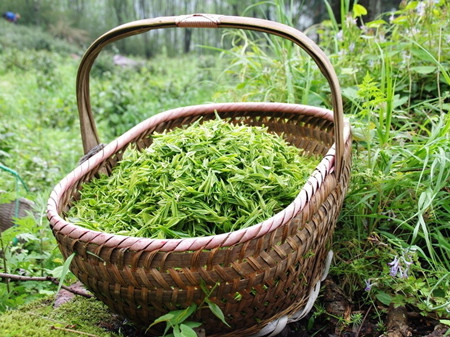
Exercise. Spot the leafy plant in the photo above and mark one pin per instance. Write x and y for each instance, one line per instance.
(177, 319)
(28, 250)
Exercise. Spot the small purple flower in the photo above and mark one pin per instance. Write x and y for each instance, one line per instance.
(420, 8)
(394, 266)
(368, 285)
(400, 266)
(407, 264)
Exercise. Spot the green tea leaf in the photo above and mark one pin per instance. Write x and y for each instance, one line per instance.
(201, 180)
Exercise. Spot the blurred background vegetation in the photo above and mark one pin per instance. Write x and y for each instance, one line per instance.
(80, 21)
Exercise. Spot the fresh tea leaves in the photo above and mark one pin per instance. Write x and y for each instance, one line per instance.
(205, 179)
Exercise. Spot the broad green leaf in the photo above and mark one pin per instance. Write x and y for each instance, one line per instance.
(398, 101)
(56, 272)
(384, 298)
(359, 10)
(425, 54)
(421, 55)
(424, 70)
(411, 5)
(400, 19)
(350, 92)
(177, 331)
(192, 324)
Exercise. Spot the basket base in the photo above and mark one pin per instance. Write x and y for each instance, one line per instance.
(275, 327)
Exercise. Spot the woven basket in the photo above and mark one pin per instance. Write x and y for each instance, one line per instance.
(18, 208)
(261, 274)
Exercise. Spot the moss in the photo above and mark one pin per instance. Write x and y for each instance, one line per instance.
(40, 319)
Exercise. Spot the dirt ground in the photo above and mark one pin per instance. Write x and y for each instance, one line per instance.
(386, 322)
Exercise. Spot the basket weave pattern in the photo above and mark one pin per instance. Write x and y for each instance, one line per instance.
(259, 273)
(8, 212)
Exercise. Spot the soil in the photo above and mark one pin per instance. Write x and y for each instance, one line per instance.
(323, 326)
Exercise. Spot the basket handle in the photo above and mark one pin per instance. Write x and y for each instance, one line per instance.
(89, 133)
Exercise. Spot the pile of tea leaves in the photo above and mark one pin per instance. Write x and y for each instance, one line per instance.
(209, 178)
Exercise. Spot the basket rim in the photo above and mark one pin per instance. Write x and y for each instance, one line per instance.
(314, 182)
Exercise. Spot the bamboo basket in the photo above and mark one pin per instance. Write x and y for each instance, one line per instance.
(262, 274)
(17, 208)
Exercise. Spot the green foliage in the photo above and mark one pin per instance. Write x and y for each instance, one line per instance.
(176, 320)
(398, 196)
(205, 179)
(28, 249)
(263, 66)
(62, 29)
(65, 271)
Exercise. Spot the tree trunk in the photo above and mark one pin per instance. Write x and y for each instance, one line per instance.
(187, 40)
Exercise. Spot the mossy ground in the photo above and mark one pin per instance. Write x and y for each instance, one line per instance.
(40, 319)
